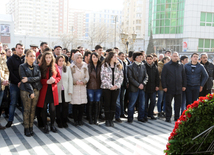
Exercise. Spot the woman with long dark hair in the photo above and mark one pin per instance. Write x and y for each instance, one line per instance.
(93, 87)
(65, 89)
(49, 93)
(80, 78)
(111, 80)
(30, 86)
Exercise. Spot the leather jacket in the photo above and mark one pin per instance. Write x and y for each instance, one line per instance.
(94, 80)
(137, 75)
(34, 77)
(210, 70)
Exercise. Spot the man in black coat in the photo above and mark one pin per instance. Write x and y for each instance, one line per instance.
(138, 78)
(152, 86)
(173, 80)
(210, 70)
(13, 65)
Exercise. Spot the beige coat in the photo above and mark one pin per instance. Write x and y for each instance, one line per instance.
(67, 82)
(79, 95)
(3, 71)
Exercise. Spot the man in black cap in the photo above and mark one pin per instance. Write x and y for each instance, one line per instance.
(57, 50)
(33, 47)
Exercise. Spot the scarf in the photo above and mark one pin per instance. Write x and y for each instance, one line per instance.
(76, 55)
(138, 63)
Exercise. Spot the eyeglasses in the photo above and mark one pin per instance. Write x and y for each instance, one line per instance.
(2, 53)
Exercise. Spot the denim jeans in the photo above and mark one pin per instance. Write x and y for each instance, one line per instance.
(70, 109)
(133, 96)
(94, 95)
(150, 107)
(1, 96)
(161, 97)
(14, 95)
(118, 106)
(122, 98)
(183, 104)
(192, 94)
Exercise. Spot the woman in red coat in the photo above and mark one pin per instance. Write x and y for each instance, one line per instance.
(49, 93)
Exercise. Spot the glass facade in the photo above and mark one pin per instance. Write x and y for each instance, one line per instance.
(166, 16)
(206, 45)
(207, 19)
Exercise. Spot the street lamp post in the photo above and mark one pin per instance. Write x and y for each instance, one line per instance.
(115, 37)
(128, 40)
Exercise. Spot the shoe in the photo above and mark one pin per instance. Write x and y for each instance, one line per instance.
(142, 120)
(118, 120)
(9, 123)
(111, 123)
(27, 132)
(160, 115)
(168, 120)
(80, 123)
(2, 127)
(107, 123)
(53, 129)
(130, 121)
(70, 116)
(65, 125)
(153, 118)
(75, 123)
(46, 130)
(146, 119)
(123, 116)
(31, 131)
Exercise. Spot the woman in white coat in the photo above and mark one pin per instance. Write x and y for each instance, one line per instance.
(80, 78)
(65, 89)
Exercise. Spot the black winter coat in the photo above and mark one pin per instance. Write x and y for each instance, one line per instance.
(153, 75)
(125, 80)
(137, 75)
(34, 77)
(13, 65)
(173, 77)
(210, 70)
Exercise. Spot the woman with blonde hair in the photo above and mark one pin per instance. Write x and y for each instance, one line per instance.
(80, 78)
(30, 86)
(49, 92)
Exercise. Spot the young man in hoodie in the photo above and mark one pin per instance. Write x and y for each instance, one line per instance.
(152, 86)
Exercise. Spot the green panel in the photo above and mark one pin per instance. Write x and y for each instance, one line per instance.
(212, 43)
(181, 29)
(207, 43)
(206, 50)
(167, 15)
(208, 24)
(168, 7)
(201, 43)
(173, 14)
(166, 30)
(162, 23)
(209, 17)
(167, 22)
(158, 23)
(162, 30)
(158, 1)
(200, 50)
(163, 1)
(173, 22)
(163, 7)
(162, 15)
(157, 30)
(158, 7)
(203, 15)
(178, 30)
(168, 1)
(172, 30)
(202, 24)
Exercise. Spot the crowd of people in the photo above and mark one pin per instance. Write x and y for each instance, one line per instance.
(59, 84)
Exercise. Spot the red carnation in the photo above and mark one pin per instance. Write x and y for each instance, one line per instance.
(170, 138)
(167, 145)
(189, 106)
(189, 115)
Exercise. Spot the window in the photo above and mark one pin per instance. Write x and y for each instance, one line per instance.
(207, 19)
(206, 45)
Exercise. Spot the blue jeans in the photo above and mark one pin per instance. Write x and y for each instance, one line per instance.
(118, 107)
(122, 97)
(14, 95)
(132, 100)
(192, 94)
(161, 97)
(150, 107)
(94, 95)
(183, 104)
(70, 109)
(1, 96)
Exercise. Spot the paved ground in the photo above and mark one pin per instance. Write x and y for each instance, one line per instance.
(136, 138)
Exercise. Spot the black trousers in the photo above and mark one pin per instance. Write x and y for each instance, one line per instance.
(52, 113)
(177, 105)
(110, 98)
(62, 110)
(78, 112)
(204, 92)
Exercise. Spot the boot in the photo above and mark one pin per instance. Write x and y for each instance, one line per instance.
(111, 118)
(53, 128)
(64, 123)
(31, 131)
(27, 132)
(107, 116)
(2, 127)
(9, 123)
(90, 104)
(96, 113)
(46, 130)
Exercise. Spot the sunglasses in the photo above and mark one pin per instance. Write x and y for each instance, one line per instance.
(2, 53)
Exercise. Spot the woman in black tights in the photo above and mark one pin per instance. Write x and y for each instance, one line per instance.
(48, 93)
